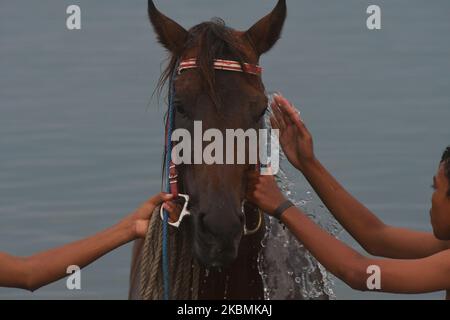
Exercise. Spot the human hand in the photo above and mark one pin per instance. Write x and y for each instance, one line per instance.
(263, 192)
(140, 219)
(295, 139)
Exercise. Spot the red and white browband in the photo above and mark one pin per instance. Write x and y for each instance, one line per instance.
(220, 64)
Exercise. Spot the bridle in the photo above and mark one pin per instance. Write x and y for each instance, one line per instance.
(171, 168)
(226, 65)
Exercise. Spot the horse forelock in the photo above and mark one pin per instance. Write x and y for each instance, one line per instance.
(209, 40)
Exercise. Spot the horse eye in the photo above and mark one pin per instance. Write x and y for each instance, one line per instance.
(179, 107)
(263, 113)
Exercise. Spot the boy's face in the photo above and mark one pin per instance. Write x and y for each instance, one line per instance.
(440, 208)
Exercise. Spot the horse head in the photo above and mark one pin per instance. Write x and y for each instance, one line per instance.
(220, 100)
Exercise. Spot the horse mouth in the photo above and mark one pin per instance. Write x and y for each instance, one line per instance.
(212, 255)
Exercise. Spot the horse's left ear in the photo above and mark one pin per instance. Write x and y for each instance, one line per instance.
(267, 31)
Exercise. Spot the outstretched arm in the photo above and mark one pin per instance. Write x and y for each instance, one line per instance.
(397, 276)
(374, 236)
(43, 268)
(36, 271)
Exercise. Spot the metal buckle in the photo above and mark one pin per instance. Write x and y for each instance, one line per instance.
(249, 232)
(184, 212)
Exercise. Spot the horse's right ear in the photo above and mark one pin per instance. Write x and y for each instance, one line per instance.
(170, 34)
(266, 32)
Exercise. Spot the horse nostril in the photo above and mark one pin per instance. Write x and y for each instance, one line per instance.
(217, 251)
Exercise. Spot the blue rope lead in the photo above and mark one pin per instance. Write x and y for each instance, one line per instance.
(165, 257)
(165, 233)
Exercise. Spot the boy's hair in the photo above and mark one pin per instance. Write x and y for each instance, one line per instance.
(446, 161)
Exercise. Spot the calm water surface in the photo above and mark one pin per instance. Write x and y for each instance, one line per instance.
(81, 139)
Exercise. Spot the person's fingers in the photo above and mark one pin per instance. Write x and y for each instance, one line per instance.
(278, 115)
(174, 211)
(274, 101)
(146, 209)
(287, 107)
(160, 198)
(284, 104)
(254, 174)
(251, 186)
(252, 182)
(274, 123)
(292, 113)
(169, 206)
(300, 124)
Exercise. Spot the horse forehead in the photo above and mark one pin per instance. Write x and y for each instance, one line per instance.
(240, 40)
(231, 87)
(234, 107)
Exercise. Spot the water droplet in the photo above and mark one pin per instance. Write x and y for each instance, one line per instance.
(303, 282)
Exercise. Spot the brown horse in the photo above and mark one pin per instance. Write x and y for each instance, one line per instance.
(221, 100)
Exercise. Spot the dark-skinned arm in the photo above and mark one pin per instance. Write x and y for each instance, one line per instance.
(397, 276)
(33, 272)
(366, 228)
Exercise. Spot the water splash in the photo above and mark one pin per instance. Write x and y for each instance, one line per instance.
(287, 269)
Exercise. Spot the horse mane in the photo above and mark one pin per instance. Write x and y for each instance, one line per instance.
(214, 40)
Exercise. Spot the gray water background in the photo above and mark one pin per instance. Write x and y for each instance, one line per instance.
(81, 139)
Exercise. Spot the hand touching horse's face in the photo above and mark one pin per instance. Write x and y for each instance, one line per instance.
(221, 100)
